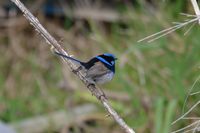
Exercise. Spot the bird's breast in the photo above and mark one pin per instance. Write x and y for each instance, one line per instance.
(105, 78)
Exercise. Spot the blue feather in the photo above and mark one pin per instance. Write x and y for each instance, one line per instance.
(109, 55)
(103, 60)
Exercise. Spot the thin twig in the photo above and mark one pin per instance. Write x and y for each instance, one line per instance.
(52, 42)
(186, 113)
(167, 31)
(194, 93)
(188, 15)
(191, 118)
(185, 128)
(188, 30)
(196, 128)
(178, 25)
(189, 93)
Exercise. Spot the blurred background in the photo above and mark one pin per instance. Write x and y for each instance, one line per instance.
(38, 94)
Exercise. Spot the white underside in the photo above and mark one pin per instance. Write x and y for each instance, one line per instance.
(105, 78)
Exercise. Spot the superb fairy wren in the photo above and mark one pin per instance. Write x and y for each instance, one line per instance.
(99, 69)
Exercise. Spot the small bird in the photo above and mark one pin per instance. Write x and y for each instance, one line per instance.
(99, 69)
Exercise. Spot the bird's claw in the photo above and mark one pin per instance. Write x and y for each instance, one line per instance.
(77, 70)
(90, 84)
(100, 96)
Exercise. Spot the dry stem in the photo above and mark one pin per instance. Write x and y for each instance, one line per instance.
(177, 26)
(52, 42)
(196, 8)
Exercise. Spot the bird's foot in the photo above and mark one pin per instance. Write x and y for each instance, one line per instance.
(100, 94)
(90, 85)
(77, 70)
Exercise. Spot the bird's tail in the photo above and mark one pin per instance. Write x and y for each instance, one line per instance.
(70, 58)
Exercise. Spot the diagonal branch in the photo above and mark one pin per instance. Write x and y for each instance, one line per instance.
(52, 42)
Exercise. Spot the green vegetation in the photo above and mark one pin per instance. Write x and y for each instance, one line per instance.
(155, 76)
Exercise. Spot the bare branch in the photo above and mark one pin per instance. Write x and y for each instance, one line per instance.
(52, 42)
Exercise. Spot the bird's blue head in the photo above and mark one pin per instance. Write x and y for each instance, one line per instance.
(110, 56)
(108, 60)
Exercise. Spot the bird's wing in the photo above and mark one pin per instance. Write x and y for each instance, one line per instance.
(98, 69)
